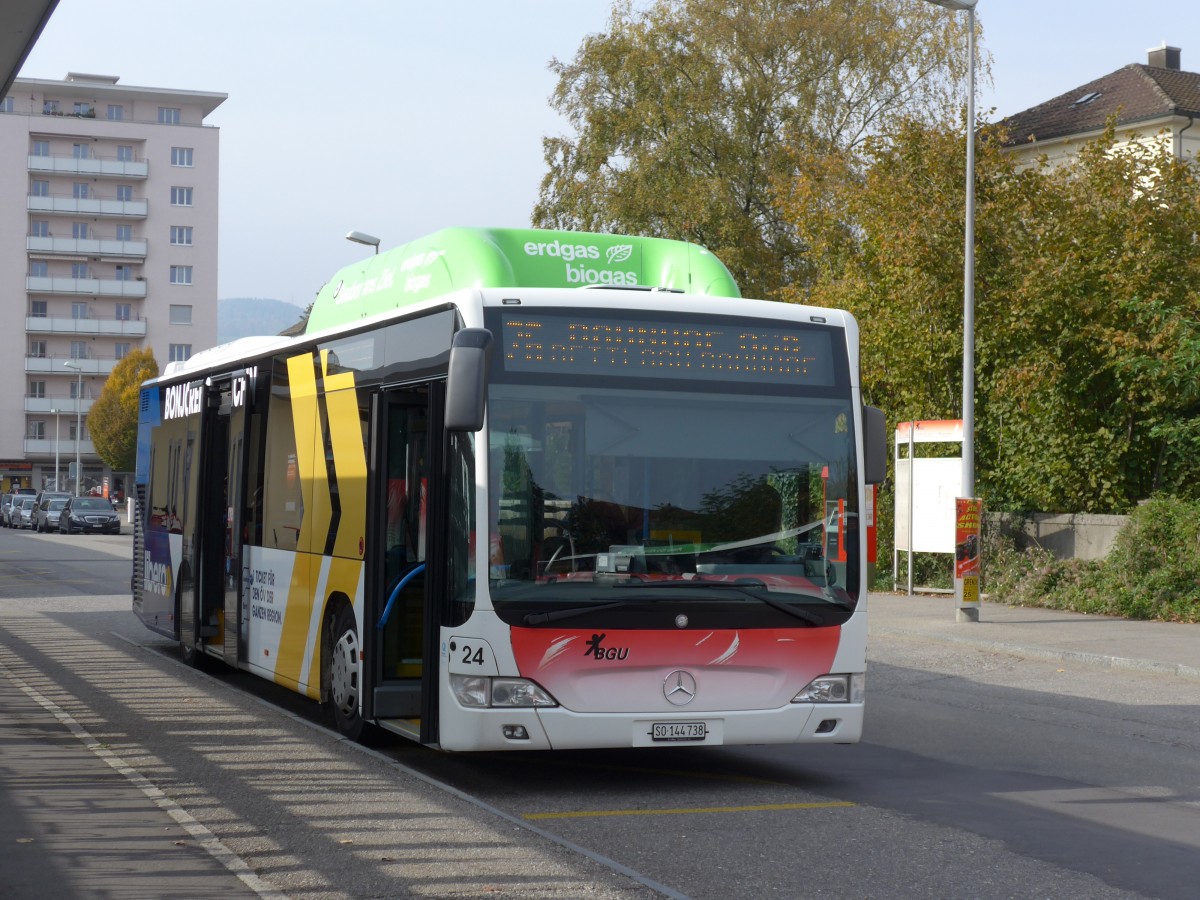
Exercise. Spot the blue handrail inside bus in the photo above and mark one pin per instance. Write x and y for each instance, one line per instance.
(387, 610)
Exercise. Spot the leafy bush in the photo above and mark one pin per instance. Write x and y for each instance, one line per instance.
(1152, 571)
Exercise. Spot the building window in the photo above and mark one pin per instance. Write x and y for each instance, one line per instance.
(79, 231)
(181, 196)
(124, 232)
(72, 430)
(79, 310)
(37, 390)
(116, 112)
(120, 350)
(180, 314)
(37, 309)
(39, 268)
(79, 190)
(37, 349)
(39, 228)
(41, 188)
(79, 350)
(79, 270)
(6, 105)
(51, 108)
(124, 153)
(123, 272)
(81, 151)
(41, 148)
(181, 156)
(37, 431)
(76, 389)
(125, 192)
(168, 115)
(181, 274)
(124, 312)
(181, 235)
(83, 108)
(179, 352)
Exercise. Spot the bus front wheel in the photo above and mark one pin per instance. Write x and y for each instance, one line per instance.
(344, 691)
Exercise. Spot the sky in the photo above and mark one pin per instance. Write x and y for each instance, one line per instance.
(398, 118)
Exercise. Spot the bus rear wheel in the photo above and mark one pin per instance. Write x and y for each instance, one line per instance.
(344, 690)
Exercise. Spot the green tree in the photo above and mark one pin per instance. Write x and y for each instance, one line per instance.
(684, 112)
(113, 418)
(1087, 299)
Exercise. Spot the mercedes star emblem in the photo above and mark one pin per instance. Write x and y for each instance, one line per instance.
(679, 688)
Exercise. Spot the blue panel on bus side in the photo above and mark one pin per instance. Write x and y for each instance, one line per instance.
(149, 417)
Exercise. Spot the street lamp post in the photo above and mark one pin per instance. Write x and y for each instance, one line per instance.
(57, 483)
(361, 237)
(71, 364)
(968, 593)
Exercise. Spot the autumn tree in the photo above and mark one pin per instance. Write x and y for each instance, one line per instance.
(688, 113)
(113, 418)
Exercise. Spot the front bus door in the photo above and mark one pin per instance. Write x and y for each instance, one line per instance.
(398, 612)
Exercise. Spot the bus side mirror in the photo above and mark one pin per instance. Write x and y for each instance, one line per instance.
(874, 445)
(466, 382)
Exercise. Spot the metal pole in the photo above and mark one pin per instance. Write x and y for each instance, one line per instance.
(78, 429)
(968, 401)
(912, 476)
(57, 483)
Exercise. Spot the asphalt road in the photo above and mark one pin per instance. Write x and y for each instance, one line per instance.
(982, 774)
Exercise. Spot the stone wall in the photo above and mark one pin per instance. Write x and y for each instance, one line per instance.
(1078, 536)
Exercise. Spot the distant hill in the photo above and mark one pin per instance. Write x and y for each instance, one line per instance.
(240, 317)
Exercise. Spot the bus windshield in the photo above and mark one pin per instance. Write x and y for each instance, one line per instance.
(609, 501)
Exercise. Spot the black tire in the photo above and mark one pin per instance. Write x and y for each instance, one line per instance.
(343, 688)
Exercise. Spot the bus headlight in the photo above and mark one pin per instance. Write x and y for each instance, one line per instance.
(833, 689)
(480, 692)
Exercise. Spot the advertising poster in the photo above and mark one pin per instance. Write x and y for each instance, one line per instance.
(968, 517)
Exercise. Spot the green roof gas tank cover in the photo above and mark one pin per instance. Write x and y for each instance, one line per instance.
(457, 258)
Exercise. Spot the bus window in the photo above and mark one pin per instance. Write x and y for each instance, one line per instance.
(461, 468)
(283, 501)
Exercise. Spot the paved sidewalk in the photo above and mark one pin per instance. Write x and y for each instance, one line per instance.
(76, 828)
(1164, 647)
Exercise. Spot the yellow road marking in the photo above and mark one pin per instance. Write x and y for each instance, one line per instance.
(765, 807)
(643, 770)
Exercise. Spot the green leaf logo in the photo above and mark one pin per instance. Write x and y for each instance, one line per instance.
(619, 253)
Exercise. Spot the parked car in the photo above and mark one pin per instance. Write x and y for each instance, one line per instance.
(93, 514)
(6, 505)
(46, 514)
(42, 495)
(23, 515)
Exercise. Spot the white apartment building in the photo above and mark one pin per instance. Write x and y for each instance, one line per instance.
(108, 243)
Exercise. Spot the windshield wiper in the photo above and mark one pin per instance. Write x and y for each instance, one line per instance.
(555, 615)
(740, 586)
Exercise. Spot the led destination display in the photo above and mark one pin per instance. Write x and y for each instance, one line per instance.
(713, 351)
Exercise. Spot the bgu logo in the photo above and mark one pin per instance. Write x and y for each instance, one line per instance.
(602, 653)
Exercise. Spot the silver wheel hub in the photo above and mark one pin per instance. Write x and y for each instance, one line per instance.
(343, 674)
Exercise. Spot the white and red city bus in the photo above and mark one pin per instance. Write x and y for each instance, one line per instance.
(519, 489)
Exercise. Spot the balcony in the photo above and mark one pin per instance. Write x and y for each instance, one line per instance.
(133, 328)
(93, 167)
(53, 365)
(80, 247)
(66, 448)
(91, 206)
(92, 287)
(65, 405)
